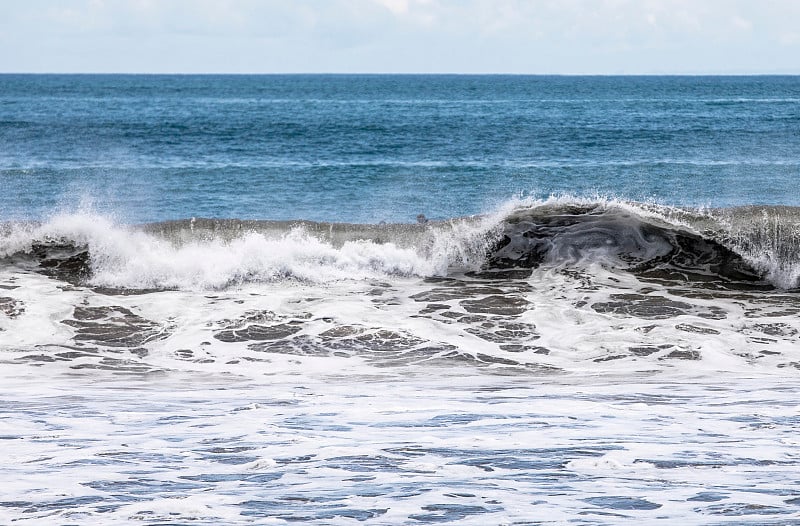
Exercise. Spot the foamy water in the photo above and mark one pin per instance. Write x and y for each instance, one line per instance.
(627, 367)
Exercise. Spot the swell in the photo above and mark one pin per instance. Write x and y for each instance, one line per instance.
(756, 247)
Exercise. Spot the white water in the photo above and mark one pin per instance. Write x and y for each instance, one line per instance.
(387, 398)
(125, 257)
(328, 450)
(128, 257)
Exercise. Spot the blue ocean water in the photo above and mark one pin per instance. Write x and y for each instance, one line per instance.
(366, 149)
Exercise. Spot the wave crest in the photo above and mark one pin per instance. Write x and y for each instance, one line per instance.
(213, 254)
(759, 246)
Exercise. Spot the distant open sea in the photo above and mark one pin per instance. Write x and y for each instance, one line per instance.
(399, 299)
(366, 149)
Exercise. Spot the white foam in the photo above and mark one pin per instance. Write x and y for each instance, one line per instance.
(770, 242)
(403, 439)
(123, 256)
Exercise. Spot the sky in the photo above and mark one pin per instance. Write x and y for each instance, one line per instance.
(401, 36)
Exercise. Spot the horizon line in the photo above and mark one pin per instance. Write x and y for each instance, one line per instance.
(356, 73)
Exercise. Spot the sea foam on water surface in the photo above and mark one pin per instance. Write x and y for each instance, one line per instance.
(604, 359)
(497, 292)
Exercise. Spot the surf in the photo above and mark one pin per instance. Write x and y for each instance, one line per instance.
(754, 247)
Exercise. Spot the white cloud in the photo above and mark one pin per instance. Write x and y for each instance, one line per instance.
(741, 23)
(398, 7)
(789, 39)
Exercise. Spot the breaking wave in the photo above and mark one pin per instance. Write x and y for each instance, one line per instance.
(758, 246)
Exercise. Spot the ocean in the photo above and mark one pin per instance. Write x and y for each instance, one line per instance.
(399, 299)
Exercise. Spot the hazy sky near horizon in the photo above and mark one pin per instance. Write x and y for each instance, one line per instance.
(401, 36)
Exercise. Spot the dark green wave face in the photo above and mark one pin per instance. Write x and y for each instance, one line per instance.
(367, 149)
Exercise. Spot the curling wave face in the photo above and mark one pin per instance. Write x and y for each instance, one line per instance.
(728, 248)
(753, 247)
